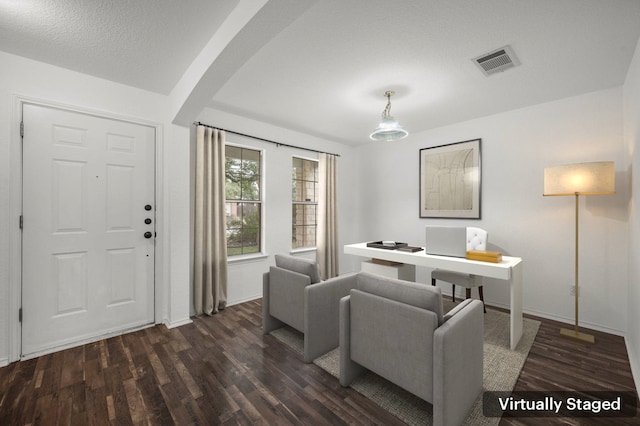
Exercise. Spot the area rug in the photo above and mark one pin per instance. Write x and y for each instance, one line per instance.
(501, 370)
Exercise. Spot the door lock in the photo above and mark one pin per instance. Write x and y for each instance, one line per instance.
(148, 234)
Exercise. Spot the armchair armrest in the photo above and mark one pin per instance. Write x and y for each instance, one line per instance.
(322, 314)
(457, 364)
(349, 369)
(269, 323)
(456, 309)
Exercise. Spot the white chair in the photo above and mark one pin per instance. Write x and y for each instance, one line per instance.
(476, 240)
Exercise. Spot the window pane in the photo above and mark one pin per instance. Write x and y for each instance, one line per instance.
(298, 214)
(251, 174)
(243, 172)
(251, 155)
(233, 152)
(304, 236)
(251, 215)
(310, 191)
(251, 186)
(309, 170)
(299, 191)
(297, 168)
(310, 215)
(234, 215)
(304, 195)
(243, 228)
(310, 236)
(234, 242)
(243, 183)
(250, 240)
(233, 179)
(295, 242)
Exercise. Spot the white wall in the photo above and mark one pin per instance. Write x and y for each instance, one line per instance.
(632, 139)
(516, 147)
(245, 276)
(20, 77)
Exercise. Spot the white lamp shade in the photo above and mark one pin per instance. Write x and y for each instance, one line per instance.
(581, 178)
(388, 130)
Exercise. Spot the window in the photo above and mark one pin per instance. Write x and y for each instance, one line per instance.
(305, 203)
(243, 193)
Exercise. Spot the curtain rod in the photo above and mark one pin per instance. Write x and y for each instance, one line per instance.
(197, 123)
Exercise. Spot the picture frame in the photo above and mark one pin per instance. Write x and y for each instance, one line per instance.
(450, 180)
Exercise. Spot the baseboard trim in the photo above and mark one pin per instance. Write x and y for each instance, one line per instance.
(174, 324)
(243, 300)
(4, 362)
(562, 319)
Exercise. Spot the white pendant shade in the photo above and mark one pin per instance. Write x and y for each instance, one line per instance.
(388, 129)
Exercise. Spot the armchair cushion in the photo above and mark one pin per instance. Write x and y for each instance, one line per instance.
(391, 338)
(414, 294)
(301, 266)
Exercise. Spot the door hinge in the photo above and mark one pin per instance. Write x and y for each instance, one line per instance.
(20, 315)
(21, 221)
(22, 129)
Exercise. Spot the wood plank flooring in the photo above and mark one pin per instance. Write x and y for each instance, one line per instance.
(560, 364)
(222, 370)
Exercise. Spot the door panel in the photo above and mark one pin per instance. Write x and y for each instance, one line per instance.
(88, 270)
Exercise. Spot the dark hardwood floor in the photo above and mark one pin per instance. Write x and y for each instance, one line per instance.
(556, 363)
(222, 370)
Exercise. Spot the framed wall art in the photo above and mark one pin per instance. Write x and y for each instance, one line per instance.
(450, 180)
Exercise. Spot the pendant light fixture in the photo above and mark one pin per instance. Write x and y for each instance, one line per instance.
(388, 129)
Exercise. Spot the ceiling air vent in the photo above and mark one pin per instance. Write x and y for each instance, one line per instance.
(497, 60)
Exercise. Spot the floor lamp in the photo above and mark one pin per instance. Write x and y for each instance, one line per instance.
(595, 178)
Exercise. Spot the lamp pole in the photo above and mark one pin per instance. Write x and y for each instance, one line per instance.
(577, 260)
(575, 334)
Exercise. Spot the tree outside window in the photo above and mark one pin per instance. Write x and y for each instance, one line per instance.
(243, 189)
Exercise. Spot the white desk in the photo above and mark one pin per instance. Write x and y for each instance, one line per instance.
(509, 270)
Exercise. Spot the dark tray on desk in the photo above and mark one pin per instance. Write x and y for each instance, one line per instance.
(410, 249)
(378, 244)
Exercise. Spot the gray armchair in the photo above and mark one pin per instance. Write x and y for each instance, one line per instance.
(397, 329)
(294, 295)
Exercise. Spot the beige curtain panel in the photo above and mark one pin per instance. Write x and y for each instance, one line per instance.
(210, 251)
(327, 244)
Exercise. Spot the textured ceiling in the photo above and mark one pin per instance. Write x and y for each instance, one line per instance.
(143, 43)
(325, 73)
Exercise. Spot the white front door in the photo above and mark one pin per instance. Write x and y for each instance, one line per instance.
(88, 228)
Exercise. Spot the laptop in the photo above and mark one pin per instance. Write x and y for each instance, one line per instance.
(446, 241)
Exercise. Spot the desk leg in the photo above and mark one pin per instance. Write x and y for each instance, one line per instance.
(516, 305)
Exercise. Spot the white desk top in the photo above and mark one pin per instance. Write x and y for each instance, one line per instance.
(500, 270)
